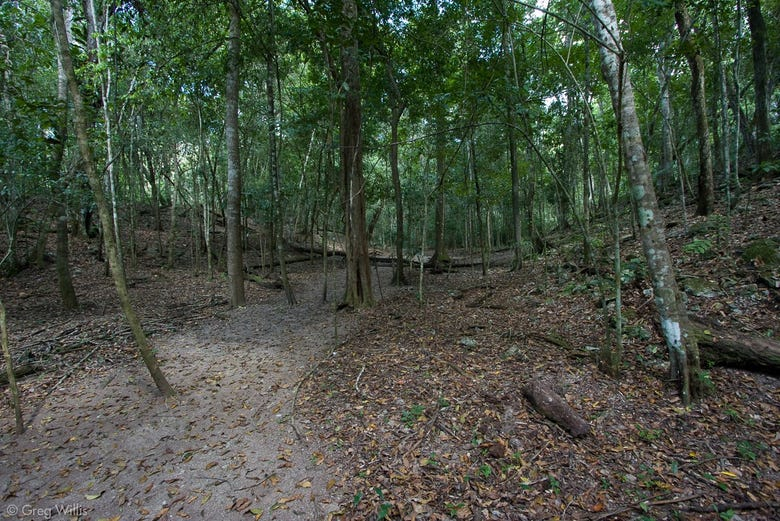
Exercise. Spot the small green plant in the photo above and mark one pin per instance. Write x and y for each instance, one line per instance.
(648, 434)
(555, 485)
(746, 450)
(633, 269)
(698, 246)
(410, 416)
(357, 498)
(431, 460)
(728, 515)
(452, 508)
(705, 382)
(384, 509)
(485, 470)
(733, 415)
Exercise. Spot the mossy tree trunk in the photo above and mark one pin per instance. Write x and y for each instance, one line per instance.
(677, 331)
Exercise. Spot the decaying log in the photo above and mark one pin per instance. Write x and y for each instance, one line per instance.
(551, 405)
(20, 371)
(723, 347)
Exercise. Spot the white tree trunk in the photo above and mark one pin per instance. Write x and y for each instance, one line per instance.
(683, 350)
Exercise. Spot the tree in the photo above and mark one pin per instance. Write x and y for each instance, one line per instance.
(235, 257)
(9, 369)
(358, 290)
(511, 86)
(677, 331)
(82, 134)
(273, 153)
(706, 196)
(760, 81)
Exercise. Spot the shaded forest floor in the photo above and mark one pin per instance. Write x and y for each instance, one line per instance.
(409, 410)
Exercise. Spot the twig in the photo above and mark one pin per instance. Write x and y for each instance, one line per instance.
(357, 380)
(640, 504)
(722, 507)
(62, 379)
(70, 372)
(298, 390)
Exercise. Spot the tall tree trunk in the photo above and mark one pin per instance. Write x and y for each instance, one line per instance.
(760, 81)
(82, 134)
(273, 155)
(358, 284)
(172, 232)
(705, 203)
(683, 349)
(399, 277)
(481, 225)
(511, 85)
(235, 254)
(440, 255)
(667, 144)
(64, 279)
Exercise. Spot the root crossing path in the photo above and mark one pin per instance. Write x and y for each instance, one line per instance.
(228, 446)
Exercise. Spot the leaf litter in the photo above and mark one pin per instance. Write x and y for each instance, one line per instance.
(416, 413)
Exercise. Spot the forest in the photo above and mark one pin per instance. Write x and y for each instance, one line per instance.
(390, 260)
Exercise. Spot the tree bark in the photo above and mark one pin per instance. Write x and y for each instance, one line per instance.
(64, 279)
(9, 371)
(555, 408)
(358, 290)
(706, 186)
(273, 156)
(726, 348)
(399, 276)
(440, 255)
(235, 256)
(683, 350)
(82, 134)
(510, 86)
(760, 81)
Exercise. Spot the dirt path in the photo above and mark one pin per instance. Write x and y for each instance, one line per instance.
(227, 447)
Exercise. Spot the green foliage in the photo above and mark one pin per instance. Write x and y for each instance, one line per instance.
(727, 515)
(648, 434)
(763, 252)
(698, 246)
(555, 485)
(747, 450)
(633, 270)
(452, 508)
(410, 416)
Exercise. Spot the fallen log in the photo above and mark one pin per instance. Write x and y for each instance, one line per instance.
(555, 408)
(722, 347)
(20, 371)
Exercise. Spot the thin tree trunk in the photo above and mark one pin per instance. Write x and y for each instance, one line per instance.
(511, 85)
(273, 156)
(65, 281)
(399, 276)
(706, 186)
(483, 240)
(667, 149)
(440, 255)
(82, 134)
(172, 232)
(235, 259)
(9, 369)
(683, 350)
